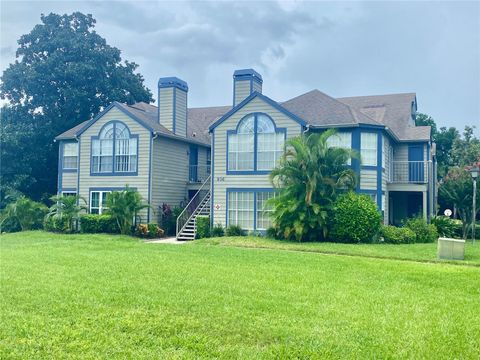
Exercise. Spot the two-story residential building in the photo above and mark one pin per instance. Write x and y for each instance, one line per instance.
(169, 152)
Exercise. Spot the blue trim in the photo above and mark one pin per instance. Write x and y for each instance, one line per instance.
(248, 73)
(356, 162)
(379, 169)
(113, 172)
(59, 173)
(234, 90)
(250, 98)
(212, 172)
(172, 81)
(108, 108)
(254, 191)
(78, 173)
(255, 171)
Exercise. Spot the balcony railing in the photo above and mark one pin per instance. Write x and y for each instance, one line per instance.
(198, 173)
(409, 172)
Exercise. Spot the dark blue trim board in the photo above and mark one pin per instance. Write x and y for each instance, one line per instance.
(149, 175)
(356, 147)
(59, 171)
(212, 180)
(113, 172)
(379, 169)
(254, 191)
(78, 173)
(255, 171)
(252, 96)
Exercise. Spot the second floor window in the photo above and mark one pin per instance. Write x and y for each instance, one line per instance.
(341, 140)
(70, 155)
(257, 138)
(115, 150)
(368, 146)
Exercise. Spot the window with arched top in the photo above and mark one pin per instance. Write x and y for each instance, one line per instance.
(256, 145)
(114, 150)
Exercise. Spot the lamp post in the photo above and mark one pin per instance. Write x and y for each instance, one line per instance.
(474, 170)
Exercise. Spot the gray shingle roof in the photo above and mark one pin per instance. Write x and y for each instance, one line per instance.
(316, 108)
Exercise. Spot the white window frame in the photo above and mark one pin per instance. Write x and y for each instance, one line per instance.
(101, 197)
(263, 212)
(369, 146)
(233, 198)
(70, 155)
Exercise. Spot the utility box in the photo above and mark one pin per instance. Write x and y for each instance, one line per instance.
(451, 249)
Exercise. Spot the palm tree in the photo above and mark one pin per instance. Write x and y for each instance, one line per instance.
(67, 209)
(124, 206)
(26, 212)
(311, 174)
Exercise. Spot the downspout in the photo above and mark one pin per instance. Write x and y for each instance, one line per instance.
(152, 139)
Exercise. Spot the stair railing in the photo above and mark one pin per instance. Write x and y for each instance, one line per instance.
(189, 210)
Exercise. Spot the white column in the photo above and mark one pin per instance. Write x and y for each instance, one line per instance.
(424, 205)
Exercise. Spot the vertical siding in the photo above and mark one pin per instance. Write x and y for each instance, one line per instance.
(169, 173)
(140, 181)
(221, 181)
(242, 90)
(166, 107)
(181, 112)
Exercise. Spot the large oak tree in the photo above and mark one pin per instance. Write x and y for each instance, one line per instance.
(64, 74)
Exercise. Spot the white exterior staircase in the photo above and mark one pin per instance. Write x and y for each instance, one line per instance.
(199, 205)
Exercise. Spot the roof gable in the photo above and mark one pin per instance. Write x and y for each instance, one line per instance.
(247, 100)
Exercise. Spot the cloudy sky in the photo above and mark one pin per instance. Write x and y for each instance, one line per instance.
(341, 48)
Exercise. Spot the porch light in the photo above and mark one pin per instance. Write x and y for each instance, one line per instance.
(474, 171)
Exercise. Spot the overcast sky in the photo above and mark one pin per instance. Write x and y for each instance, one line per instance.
(341, 48)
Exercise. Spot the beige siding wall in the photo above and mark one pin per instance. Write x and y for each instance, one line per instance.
(242, 90)
(140, 182)
(181, 112)
(368, 179)
(221, 181)
(257, 87)
(169, 173)
(69, 180)
(166, 107)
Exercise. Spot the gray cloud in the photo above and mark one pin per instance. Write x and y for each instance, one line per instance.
(344, 49)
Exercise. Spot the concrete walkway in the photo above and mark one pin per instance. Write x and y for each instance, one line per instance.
(167, 240)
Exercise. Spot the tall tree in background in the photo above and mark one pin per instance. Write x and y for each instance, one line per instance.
(65, 73)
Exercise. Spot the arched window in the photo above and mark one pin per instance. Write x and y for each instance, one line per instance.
(256, 145)
(114, 150)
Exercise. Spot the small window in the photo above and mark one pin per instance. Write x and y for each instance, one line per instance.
(98, 201)
(69, 193)
(70, 155)
(369, 149)
(341, 140)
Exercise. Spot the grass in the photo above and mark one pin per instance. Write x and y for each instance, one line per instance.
(413, 252)
(102, 296)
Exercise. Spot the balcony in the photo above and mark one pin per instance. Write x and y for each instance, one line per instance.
(198, 173)
(409, 172)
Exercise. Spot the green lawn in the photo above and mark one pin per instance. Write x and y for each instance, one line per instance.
(414, 252)
(101, 296)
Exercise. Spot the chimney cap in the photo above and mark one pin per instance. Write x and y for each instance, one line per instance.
(247, 73)
(172, 81)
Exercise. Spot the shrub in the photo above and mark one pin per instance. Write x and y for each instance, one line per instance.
(445, 226)
(27, 213)
(149, 230)
(234, 230)
(397, 235)
(168, 218)
(424, 233)
(355, 219)
(255, 233)
(203, 227)
(57, 224)
(65, 212)
(217, 231)
(10, 225)
(94, 223)
(271, 232)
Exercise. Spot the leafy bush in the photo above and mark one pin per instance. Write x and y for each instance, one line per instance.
(168, 218)
(397, 235)
(445, 226)
(424, 233)
(355, 219)
(234, 230)
(255, 233)
(56, 224)
(203, 227)
(217, 231)
(149, 230)
(94, 223)
(10, 225)
(271, 232)
(27, 213)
